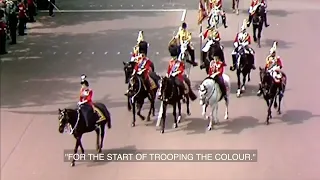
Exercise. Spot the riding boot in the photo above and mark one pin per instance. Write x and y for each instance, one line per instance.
(204, 58)
(148, 86)
(234, 62)
(253, 63)
(193, 59)
(222, 86)
(224, 21)
(265, 20)
(249, 20)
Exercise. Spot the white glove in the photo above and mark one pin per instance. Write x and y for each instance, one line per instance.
(79, 103)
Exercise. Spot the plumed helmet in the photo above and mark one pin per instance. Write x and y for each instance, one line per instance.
(244, 25)
(173, 50)
(140, 37)
(184, 25)
(274, 47)
(85, 82)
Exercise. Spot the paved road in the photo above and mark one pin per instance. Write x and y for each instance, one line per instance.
(42, 75)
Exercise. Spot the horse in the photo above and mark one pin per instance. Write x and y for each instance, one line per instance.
(137, 92)
(128, 68)
(212, 48)
(235, 6)
(73, 118)
(215, 17)
(257, 23)
(210, 94)
(270, 88)
(244, 65)
(169, 94)
(185, 57)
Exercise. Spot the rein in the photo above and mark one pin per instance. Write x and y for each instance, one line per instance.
(132, 98)
(78, 119)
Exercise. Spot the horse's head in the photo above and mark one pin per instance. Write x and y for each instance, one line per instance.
(63, 119)
(265, 78)
(134, 85)
(128, 70)
(205, 87)
(164, 85)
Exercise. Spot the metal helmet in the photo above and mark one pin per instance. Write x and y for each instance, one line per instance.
(274, 47)
(244, 25)
(140, 37)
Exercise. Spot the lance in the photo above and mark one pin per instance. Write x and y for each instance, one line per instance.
(200, 29)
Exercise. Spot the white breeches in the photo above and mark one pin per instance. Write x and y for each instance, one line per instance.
(207, 46)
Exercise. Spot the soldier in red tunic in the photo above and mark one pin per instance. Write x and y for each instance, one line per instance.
(144, 65)
(217, 69)
(22, 18)
(85, 102)
(217, 5)
(252, 9)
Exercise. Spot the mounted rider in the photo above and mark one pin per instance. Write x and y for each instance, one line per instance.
(242, 38)
(213, 36)
(217, 69)
(176, 69)
(252, 10)
(274, 65)
(214, 6)
(143, 64)
(183, 36)
(86, 104)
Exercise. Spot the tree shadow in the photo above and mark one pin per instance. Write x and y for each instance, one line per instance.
(238, 124)
(293, 117)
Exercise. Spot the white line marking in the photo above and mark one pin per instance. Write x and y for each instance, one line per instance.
(184, 14)
(106, 53)
(157, 52)
(131, 5)
(40, 52)
(118, 10)
(162, 5)
(121, 5)
(54, 52)
(110, 5)
(80, 52)
(118, 53)
(92, 52)
(66, 53)
(141, 5)
(100, 5)
(152, 5)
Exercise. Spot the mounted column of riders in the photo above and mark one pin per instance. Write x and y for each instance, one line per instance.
(14, 15)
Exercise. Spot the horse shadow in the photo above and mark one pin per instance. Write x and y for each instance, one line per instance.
(169, 123)
(251, 90)
(293, 117)
(238, 124)
(196, 126)
(272, 12)
(131, 149)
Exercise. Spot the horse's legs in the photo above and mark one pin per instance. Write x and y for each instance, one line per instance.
(98, 139)
(275, 104)
(78, 140)
(249, 76)
(133, 124)
(226, 113)
(174, 113)
(179, 110)
(188, 105)
(164, 111)
(151, 108)
(254, 28)
(129, 103)
(269, 110)
(259, 33)
(239, 83)
(102, 132)
(216, 118)
(211, 118)
(140, 105)
(244, 79)
(279, 107)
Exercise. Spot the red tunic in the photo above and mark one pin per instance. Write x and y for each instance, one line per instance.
(174, 66)
(216, 67)
(278, 63)
(255, 2)
(22, 11)
(86, 95)
(217, 4)
(248, 38)
(143, 63)
(208, 31)
(3, 28)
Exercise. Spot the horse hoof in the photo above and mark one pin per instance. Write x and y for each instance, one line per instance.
(72, 164)
(279, 112)
(189, 113)
(238, 95)
(267, 122)
(175, 125)
(162, 131)
(133, 124)
(100, 150)
(142, 118)
(209, 128)
(226, 117)
(148, 118)
(129, 109)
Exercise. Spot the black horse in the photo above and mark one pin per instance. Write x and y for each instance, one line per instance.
(170, 94)
(257, 20)
(215, 50)
(73, 118)
(128, 70)
(270, 89)
(137, 92)
(244, 64)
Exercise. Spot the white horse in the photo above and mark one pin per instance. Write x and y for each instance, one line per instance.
(215, 17)
(210, 94)
(184, 57)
